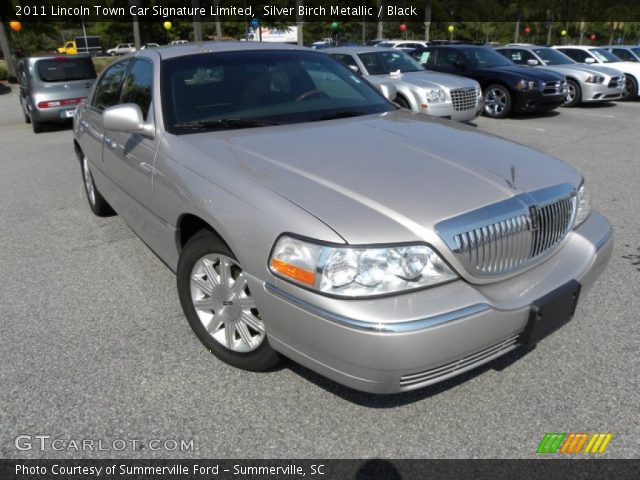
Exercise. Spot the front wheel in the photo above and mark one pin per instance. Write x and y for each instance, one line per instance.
(630, 90)
(497, 101)
(216, 299)
(574, 94)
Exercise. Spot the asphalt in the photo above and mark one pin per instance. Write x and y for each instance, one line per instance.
(93, 343)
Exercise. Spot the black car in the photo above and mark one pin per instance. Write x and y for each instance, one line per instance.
(507, 87)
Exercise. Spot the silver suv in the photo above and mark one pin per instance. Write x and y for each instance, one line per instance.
(51, 86)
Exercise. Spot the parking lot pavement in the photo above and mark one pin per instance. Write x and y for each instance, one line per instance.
(94, 345)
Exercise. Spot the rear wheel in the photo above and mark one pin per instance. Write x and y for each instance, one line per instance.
(97, 203)
(215, 297)
(630, 90)
(497, 101)
(574, 94)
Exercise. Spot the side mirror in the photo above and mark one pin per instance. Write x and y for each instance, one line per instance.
(388, 90)
(127, 118)
(533, 62)
(355, 69)
(589, 60)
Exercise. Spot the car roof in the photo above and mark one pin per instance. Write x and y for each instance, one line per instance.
(360, 49)
(50, 56)
(621, 46)
(193, 48)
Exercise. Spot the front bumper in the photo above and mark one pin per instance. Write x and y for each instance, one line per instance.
(600, 92)
(446, 110)
(535, 101)
(409, 341)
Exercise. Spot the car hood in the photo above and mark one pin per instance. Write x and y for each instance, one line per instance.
(379, 178)
(627, 67)
(428, 78)
(523, 73)
(596, 68)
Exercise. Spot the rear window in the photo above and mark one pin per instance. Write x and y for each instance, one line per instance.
(65, 69)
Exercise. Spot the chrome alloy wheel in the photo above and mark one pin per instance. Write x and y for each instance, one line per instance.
(571, 93)
(221, 298)
(88, 181)
(495, 102)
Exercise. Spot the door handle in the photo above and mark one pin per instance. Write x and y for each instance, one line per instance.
(111, 144)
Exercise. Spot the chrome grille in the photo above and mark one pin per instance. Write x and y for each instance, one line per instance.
(526, 228)
(553, 88)
(464, 99)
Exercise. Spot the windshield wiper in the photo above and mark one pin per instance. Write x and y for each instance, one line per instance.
(224, 124)
(342, 114)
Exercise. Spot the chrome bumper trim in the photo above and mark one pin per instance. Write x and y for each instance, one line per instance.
(399, 327)
(602, 242)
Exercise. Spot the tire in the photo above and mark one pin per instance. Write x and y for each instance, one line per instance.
(27, 118)
(497, 101)
(97, 203)
(630, 90)
(218, 304)
(37, 127)
(574, 94)
(402, 102)
(112, 54)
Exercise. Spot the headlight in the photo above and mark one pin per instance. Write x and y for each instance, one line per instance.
(435, 96)
(594, 79)
(478, 91)
(583, 205)
(357, 271)
(524, 85)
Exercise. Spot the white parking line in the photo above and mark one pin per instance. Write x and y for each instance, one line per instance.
(523, 126)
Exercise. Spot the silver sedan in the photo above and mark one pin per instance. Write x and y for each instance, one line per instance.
(306, 216)
(585, 83)
(437, 94)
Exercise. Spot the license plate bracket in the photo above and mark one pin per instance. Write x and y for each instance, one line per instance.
(549, 313)
(67, 113)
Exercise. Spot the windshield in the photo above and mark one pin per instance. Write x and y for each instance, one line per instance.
(246, 89)
(636, 50)
(604, 55)
(485, 58)
(552, 57)
(64, 69)
(382, 63)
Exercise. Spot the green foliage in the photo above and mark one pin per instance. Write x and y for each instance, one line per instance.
(4, 74)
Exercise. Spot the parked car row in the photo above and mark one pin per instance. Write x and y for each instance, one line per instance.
(307, 216)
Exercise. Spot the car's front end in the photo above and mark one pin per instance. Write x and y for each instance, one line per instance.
(430, 264)
(536, 95)
(440, 95)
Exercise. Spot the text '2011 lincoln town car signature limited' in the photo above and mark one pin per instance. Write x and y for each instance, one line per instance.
(306, 216)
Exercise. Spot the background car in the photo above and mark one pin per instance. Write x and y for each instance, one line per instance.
(418, 89)
(121, 49)
(628, 53)
(601, 56)
(178, 42)
(585, 84)
(408, 44)
(507, 87)
(51, 86)
(304, 215)
(149, 45)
